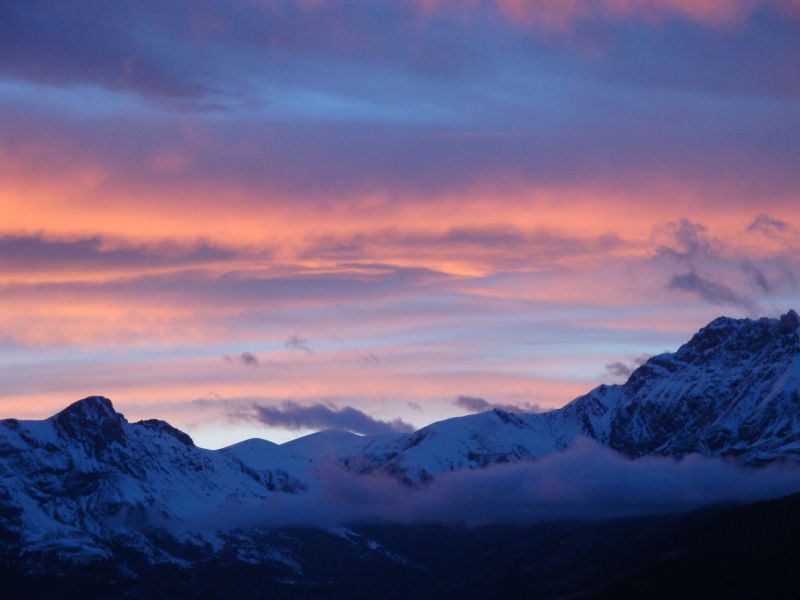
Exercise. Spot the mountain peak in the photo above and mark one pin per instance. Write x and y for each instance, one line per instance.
(92, 407)
(92, 420)
(729, 338)
(790, 322)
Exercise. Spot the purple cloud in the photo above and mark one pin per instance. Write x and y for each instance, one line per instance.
(474, 404)
(246, 358)
(295, 342)
(711, 291)
(291, 415)
(769, 226)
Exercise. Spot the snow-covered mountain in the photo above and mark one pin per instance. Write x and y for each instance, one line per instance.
(732, 390)
(86, 481)
(86, 478)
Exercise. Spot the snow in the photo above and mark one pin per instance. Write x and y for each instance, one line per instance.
(86, 476)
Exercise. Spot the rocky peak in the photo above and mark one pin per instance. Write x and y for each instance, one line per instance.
(93, 421)
(733, 340)
(789, 323)
(91, 408)
(166, 428)
(717, 333)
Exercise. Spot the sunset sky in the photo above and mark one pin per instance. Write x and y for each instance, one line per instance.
(388, 211)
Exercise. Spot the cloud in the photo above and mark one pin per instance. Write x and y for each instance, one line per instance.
(769, 226)
(295, 342)
(586, 481)
(497, 247)
(291, 415)
(689, 246)
(621, 369)
(475, 405)
(561, 15)
(40, 253)
(711, 291)
(370, 359)
(757, 277)
(249, 359)
(246, 358)
(687, 241)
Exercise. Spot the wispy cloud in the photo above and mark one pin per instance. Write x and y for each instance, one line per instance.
(726, 272)
(624, 369)
(246, 358)
(40, 254)
(769, 226)
(295, 342)
(474, 404)
(711, 291)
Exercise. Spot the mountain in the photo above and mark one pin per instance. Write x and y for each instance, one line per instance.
(87, 485)
(86, 479)
(732, 390)
(748, 551)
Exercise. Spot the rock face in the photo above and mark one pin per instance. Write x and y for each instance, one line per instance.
(86, 481)
(733, 390)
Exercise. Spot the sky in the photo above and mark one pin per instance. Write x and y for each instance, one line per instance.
(261, 218)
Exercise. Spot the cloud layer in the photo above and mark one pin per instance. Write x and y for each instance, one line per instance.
(585, 482)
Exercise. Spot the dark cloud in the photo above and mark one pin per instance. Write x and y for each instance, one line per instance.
(769, 226)
(291, 415)
(295, 342)
(38, 253)
(711, 291)
(698, 254)
(246, 358)
(621, 369)
(155, 48)
(249, 359)
(259, 57)
(503, 246)
(757, 277)
(689, 242)
(413, 405)
(474, 404)
(101, 44)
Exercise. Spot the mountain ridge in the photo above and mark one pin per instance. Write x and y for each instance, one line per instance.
(86, 481)
(732, 390)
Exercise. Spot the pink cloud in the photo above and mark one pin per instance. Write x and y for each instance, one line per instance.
(559, 14)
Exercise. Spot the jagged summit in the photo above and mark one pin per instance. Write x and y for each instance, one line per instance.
(91, 407)
(740, 339)
(732, 390)
(790, 322)
(92, 421)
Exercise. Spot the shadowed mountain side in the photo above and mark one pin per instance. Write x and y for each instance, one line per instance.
(741, 552)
